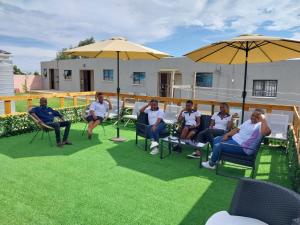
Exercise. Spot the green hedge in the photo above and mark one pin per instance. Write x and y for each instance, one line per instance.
(294, 168)
(21, 123)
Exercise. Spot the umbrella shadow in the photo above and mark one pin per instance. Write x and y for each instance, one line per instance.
(19, 146)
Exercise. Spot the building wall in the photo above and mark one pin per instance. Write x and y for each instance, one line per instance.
(227, 79)
(32, 82)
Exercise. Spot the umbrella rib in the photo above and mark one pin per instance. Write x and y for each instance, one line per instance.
(153, 55)
(284, 46)
(259, 47)
(234, 55)
(97, 54)
(212, 52)
(126, 53)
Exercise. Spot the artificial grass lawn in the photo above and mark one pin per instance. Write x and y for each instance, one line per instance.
(21, 105)
(101, 182)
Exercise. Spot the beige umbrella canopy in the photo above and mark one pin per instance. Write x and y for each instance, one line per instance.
(109, 48)
(251, 48)
(117, 48)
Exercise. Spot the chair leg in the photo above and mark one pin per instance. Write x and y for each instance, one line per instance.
(136, 139)
(104, 132)
(50, 142)
(42, 137)
(146, 143)
(85, 126)
(34, 136)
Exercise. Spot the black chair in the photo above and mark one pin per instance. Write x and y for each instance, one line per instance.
(243, 160)
(264, 201)
(141, 129)
(270, 203)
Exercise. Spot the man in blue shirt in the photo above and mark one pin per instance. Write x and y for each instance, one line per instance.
(46, 115)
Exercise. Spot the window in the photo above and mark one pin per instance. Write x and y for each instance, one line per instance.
(45, 73)
(68, 74)
(108, 75)
(138, 77)
(204, 79)
(264, 88)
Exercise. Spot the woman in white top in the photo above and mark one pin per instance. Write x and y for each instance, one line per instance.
(97, 112)
(242, 140)
(221, 122)
(156, 124)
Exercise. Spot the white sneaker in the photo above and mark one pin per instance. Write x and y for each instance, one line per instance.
(153, 144)
(154, 151)
(207, 166)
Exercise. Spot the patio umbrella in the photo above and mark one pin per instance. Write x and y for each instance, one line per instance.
(117, 48)
(248, 48)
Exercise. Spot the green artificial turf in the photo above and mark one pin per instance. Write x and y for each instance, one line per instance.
(101, 182)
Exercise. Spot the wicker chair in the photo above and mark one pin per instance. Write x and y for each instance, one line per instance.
(42, 127)
(263, 201)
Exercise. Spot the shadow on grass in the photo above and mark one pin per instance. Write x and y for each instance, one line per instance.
(19, 147)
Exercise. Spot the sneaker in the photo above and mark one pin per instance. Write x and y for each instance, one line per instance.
(208, 166)
(189, 142)
(154, 151)
(153, 144)
(195, 155)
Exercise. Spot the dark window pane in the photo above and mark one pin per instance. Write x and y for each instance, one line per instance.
(204, 79)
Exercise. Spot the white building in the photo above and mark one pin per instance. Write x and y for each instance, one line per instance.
(6, 78)
(272, 83)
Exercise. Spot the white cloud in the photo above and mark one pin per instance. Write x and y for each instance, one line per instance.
(64, 23)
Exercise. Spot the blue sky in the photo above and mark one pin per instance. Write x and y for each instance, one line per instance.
(34, 30)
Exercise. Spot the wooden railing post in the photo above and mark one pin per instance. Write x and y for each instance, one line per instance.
(7, 107)
(75, 101)
(29, 103)
(212, 109)
(87, 99)
(61, 102)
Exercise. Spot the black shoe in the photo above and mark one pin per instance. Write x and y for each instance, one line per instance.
(177, 149)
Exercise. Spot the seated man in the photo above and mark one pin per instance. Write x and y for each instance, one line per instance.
(46, 115)
(97, 112)
(221, 122)
(246, 135)
(156, 124)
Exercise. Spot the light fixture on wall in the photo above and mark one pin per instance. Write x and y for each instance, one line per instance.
(218, 70)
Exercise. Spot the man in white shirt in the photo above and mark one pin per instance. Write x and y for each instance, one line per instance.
(156, 124)
(97, 112)
(221, 122)
(241, 140)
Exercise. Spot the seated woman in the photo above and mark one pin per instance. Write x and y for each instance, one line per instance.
(191, 119)
(221, 122)
(235, 142)
(97, 112)
(156, 124)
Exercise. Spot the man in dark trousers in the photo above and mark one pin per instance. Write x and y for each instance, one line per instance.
(46, 115)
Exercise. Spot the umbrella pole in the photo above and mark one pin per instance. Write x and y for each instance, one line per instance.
(118, 93)
(118, 138)
(244, 94)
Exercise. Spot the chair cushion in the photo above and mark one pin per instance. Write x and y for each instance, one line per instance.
(224, 218)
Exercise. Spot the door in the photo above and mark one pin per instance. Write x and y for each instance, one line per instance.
(164, 79)
(86, 80)
(51, 79)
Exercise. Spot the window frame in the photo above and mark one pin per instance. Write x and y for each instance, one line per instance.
(45, 72)
(141, 78)
(68, 76)
(204, 73)
(266, 91)
(104, 76)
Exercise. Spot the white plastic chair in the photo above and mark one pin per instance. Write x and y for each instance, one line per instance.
(171, 113)
(279, 125)
(113, 113)
(135, 111)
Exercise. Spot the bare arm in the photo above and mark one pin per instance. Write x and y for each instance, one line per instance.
(181, 117)
(265, 129)
(36, 117)
(212, 123)
(109, 104)
(230, 124)
(144, 108)
(230, 133)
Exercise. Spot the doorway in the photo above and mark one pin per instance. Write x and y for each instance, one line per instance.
(164, 81)
(53, 79)
(86, 80)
